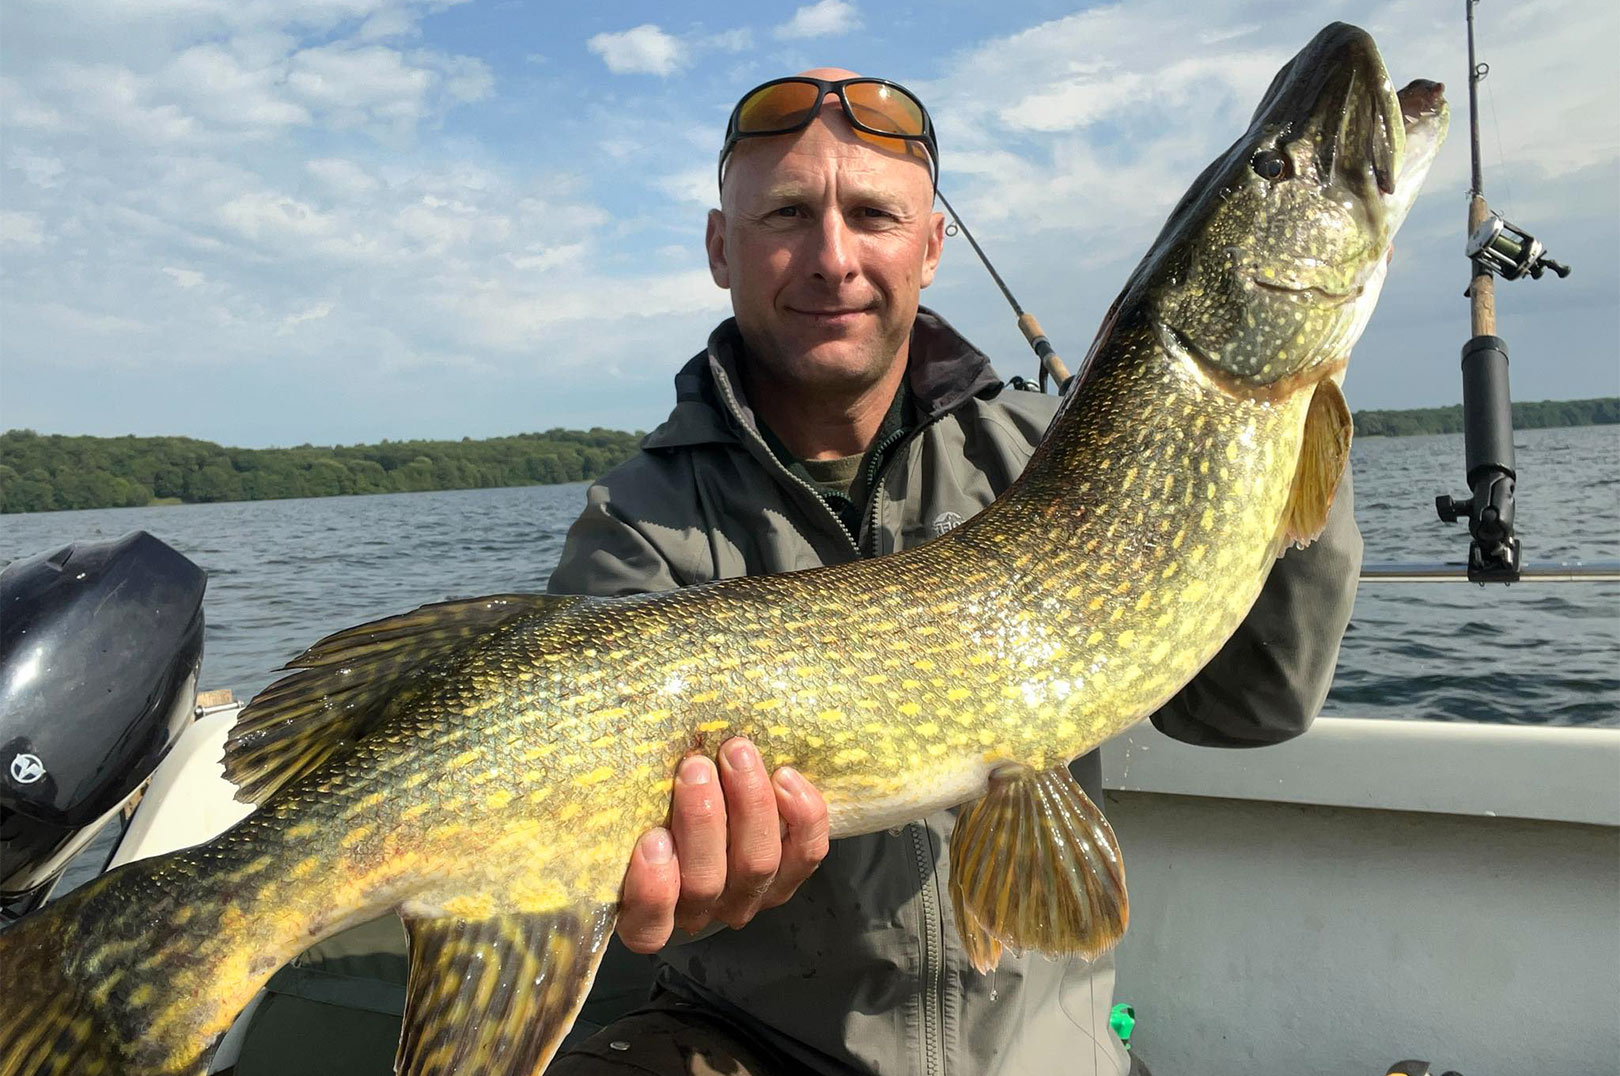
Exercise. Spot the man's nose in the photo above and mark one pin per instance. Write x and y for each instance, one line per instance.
(834, 255)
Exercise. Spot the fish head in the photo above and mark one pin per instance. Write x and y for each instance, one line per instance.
(1271, 265)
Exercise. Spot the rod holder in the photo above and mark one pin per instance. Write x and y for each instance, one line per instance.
(1493, 556)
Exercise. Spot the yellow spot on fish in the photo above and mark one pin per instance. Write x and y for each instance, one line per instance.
(874, 678)
(927, 728)
(498, 799)
(414, 812)
(1126, 639)
(355, 836)
(613, 713)
(462, 759)
(705, 696)
(850, 754)
(957, 694)
(767, 704)
(304, 867)
(713, 726)
(910, 709)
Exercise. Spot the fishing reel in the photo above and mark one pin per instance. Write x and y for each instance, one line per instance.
(1510, 252)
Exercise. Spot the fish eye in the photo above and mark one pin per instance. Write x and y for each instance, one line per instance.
(1271, 166)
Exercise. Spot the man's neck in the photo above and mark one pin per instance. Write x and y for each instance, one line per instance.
(817, 424)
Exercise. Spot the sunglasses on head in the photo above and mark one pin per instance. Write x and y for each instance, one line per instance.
(886, 111)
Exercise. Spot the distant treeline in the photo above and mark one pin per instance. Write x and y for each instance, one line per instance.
(46, 472)
(42, 473)
(1526, 416)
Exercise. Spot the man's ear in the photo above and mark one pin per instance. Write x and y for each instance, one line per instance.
(714, 241)
(936, 247)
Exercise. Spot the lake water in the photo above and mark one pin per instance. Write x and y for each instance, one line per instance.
(283, 573)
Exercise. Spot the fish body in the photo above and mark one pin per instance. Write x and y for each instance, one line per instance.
(484, 767)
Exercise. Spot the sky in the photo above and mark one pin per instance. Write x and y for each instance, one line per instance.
(275, 222)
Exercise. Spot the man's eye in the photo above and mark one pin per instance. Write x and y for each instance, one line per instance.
(787, 211)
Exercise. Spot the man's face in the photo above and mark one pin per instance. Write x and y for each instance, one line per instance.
(825, 241)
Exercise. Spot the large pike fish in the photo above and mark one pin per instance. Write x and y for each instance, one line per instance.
(484, 767)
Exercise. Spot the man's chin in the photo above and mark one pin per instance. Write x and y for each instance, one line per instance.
(839, 361)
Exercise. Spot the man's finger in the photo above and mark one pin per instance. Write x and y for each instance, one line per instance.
(804, 844)
(651, 887)
(755, 847)
(698, 823)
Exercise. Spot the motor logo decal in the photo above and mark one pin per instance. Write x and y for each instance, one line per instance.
(27, 768)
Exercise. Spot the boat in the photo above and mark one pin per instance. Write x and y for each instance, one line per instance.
(1371, 891)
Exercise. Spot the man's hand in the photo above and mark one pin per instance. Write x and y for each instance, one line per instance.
(735, 845)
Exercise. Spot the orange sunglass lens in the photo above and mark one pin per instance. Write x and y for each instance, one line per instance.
(884, 108)
(777, 108)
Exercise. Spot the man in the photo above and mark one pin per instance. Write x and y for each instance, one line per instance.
(833, 418)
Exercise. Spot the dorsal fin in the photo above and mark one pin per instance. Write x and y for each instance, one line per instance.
(348, 681)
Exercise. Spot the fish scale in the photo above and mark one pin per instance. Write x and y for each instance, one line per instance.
(485, 767)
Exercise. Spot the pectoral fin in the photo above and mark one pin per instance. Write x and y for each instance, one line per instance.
(1034, 865)
(1323, 456)
(496, 996)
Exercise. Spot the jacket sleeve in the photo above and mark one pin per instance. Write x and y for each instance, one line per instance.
(606, 555)
(1269, 681)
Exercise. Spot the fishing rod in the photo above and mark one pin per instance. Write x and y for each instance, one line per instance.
(1051, 365)
(1496, 248)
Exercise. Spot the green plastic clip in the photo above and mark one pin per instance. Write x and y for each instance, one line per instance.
(1122, 1018)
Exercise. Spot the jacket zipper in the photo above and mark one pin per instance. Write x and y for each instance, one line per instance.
(933, 1016)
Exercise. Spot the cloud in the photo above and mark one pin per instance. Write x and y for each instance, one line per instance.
(21, 229)
(695, 185)
(823, 19)
(314, 312)
(644, 50)
(732, 40)
(184, 278)
(38, 170)
(342, 176)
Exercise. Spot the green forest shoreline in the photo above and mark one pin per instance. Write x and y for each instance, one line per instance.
(54, 472)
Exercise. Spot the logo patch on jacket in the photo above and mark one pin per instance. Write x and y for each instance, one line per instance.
(945, 521)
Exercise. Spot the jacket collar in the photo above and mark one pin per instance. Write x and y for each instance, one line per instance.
(944, 371)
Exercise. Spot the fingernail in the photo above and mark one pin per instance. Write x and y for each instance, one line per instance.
(792, 780)
(742, 756)
(656, 847)
(695, 770)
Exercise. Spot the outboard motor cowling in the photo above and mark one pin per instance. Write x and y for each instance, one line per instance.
(100, 644)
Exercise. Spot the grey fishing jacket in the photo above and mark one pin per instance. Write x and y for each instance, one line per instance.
(862, 971)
